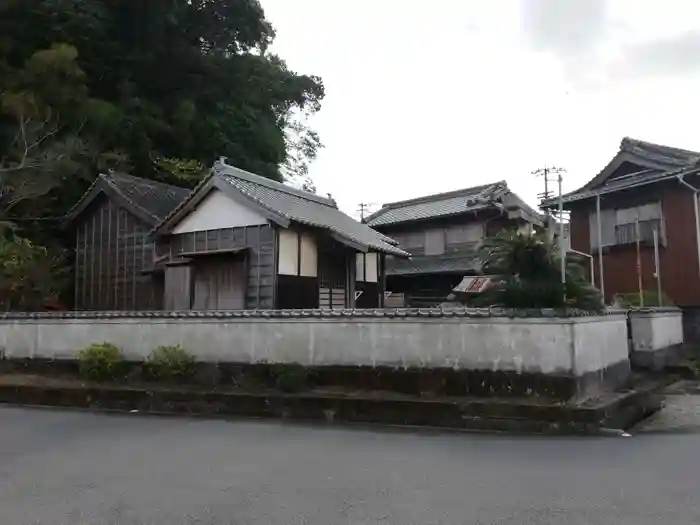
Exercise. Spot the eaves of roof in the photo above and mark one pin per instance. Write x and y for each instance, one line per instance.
(116, 186)
(640, 179)
(428, 207)
(102, 185)
(282, 205)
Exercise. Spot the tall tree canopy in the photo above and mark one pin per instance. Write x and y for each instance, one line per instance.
(159, 87)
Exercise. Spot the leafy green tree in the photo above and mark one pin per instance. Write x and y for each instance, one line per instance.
(159, 88)
(31, 276)
(530, 275)
(46, 124)
(190, 79)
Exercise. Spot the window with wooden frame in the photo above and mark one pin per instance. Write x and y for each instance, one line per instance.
(623, 226)
(413, 242)
(461, 237)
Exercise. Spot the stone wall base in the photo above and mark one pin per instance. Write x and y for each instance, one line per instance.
(657, 360)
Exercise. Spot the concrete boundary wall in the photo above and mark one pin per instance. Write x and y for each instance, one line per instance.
(656, 334)
(572, 346)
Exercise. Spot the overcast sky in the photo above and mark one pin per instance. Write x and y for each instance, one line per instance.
(424, 97)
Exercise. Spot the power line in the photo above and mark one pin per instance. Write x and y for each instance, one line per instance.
(556, 174)
(364, 207)
(549, 174)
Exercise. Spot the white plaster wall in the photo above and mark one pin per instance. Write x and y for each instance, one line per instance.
(599, 342)
(217, 211)
(309, 256)
(545, 345)
(367, 267)
(288, 252)
(656, 330)
(295, 262)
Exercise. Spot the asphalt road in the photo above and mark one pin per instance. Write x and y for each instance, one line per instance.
(77, 468)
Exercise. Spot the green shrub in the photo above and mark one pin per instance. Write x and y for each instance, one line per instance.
(290, 378)
(528, 267)
(651, 298)
(100, 362)
(170, 363)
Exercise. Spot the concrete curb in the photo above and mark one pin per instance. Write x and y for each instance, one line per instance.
(443, 415)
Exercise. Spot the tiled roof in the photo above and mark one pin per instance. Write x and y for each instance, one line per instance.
(426, 264)
(439, 205)
(664, 157)
(156, 198)
(290, 204)
(306, 208)
(311, 313)
(150, 200)
(636, 179)
(447, 204)
(660, 162)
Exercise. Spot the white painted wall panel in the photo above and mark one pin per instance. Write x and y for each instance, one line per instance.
(435, 241)
(656, 330)
(217, 211)
(462, 233)
(539, 345)
(371, 268)
(367, 267)
(309, 256)
(288, 263)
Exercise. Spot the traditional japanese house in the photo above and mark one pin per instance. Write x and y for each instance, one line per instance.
(645, 190)
(442, 233)
(241, 241)
(113, 251)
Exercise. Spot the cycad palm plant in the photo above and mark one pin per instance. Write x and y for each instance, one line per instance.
(529, 269)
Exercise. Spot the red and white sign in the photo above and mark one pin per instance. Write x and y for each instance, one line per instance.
(473, 285)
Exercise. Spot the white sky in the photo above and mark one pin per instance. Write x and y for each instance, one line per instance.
(425, 97)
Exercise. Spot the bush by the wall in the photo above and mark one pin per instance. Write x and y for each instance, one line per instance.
(100, 362)
(290, 378)
(529, 270)
(651, 298)
(170, 363)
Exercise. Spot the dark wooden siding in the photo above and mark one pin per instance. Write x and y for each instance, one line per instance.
(423, 291)
(259, 242)
(178, 287)
(112, 251)
(336, 275)
(678, 259)
(219, 283)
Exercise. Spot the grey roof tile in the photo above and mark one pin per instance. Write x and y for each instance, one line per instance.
(636, 179)
(272, 315)
(156, 198)
(663, 163)
(305, 208)
(665, 157)
(430, 206)
(462, 262)
(150, 200)
(448, 204)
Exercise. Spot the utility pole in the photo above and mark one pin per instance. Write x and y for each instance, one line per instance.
(554, 174)
(363, 208)
(549, 174)
(543, 172)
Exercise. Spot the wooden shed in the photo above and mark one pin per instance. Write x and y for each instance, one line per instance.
(241, 241)
(114, 255)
